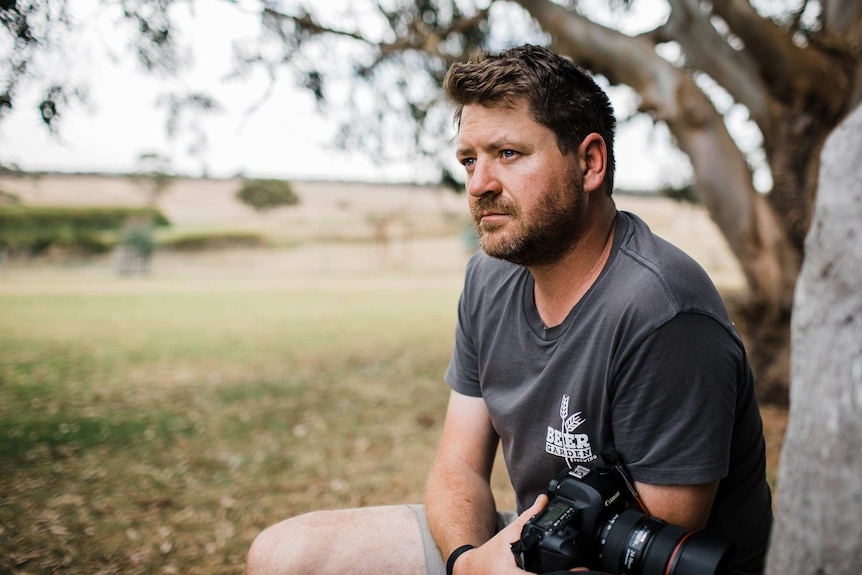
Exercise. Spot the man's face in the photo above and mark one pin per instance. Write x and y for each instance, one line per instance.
(526, 197)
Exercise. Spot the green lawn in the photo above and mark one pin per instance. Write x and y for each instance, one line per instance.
(157, 430)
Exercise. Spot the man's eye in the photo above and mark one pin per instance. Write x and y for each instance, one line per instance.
(509, 153)
(468, 162)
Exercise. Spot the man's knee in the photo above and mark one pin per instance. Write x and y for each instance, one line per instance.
(369, 541)
(281, 549)
(260, 560)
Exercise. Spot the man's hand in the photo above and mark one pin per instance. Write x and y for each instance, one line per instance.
(495, 557)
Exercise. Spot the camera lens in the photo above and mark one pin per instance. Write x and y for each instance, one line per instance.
(635, 544)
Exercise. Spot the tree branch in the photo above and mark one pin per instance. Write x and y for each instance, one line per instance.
(622, 59)
(843, 18)
(796, 76)
(708, 51)
(306, 22)
(429, 40)
(422, 37)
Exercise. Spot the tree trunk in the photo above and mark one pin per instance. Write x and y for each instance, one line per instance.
(818, 528)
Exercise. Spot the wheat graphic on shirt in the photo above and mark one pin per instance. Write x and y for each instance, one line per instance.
(569, 423)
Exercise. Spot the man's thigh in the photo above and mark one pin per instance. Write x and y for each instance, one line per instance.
(373, 540)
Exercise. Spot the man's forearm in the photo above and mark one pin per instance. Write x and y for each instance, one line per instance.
(461, 511)
(459, 502)
(460, 507)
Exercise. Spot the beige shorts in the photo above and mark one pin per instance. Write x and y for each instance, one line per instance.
(434, 563)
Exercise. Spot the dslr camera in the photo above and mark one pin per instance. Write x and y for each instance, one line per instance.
(594, 519)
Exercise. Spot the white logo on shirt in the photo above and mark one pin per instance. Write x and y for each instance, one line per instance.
(563, 442)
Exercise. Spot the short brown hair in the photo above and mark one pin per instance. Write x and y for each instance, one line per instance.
(560, 94)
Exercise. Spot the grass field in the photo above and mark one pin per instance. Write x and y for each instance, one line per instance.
(156, 430)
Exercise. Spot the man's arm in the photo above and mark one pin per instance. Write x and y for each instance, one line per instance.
(684, 505)
(459, 501)
(679, 389)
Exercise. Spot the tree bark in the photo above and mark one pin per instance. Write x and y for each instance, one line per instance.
(818, 528)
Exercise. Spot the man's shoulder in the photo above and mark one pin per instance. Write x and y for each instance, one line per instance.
(649, 262)
(650, 250)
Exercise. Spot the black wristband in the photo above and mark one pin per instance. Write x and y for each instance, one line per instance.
(450, 564)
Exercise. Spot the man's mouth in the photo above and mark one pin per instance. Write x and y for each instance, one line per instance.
(490, 213)
(493, 215)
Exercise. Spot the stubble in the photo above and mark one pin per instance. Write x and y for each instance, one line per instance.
(539, 238)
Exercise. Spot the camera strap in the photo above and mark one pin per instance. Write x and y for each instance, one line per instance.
(614, 460)
(527, 541)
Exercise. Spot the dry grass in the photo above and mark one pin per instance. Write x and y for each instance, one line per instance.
(159, 431)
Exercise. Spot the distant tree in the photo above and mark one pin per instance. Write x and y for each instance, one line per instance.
(793, 67)
(820, 499)
(134, 250)
(266, 195)
(685, 194)
(137, 242)
(155, 175)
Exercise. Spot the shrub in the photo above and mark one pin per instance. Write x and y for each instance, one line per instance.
(35, 229)
(138, 236)
(265, 195)
(214, 240)
(686, 194)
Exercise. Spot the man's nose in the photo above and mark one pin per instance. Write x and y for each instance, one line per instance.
(483, 180)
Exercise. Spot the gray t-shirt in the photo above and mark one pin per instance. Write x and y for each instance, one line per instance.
(647, 361)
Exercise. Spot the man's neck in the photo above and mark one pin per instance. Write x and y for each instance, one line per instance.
(561, 285)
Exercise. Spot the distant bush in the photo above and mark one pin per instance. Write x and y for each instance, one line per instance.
(265, 195)
(215, 240)
(28, 217)
(33, 230)
(686, 194)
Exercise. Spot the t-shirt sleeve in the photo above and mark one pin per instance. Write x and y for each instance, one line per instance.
(673, 402)
(462, 375)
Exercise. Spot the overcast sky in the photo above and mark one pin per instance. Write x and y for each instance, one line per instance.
(285, 137)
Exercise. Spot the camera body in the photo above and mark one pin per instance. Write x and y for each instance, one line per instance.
(563, 535)
(594, 519)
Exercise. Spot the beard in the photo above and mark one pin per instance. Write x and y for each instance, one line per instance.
(540, 238)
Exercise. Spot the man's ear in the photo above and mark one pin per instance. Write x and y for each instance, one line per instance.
(594, 161)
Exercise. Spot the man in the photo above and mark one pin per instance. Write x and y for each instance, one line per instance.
(578, 330)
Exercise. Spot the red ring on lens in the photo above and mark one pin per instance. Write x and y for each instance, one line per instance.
(673, 556)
